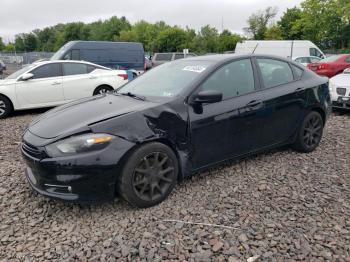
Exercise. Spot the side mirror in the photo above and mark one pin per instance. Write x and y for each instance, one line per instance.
(208, 96)
(27, 76)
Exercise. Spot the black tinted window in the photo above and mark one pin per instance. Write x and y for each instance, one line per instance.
(275, 72)
(164, 57)
(232, 80)
(74, 69)
(178, 56)
(45, 71)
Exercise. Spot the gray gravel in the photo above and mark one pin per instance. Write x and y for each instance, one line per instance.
(278, 206)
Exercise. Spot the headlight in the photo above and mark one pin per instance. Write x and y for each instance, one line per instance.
(78, 144)
(331, 86)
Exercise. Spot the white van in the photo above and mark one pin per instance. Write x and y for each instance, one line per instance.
(284, 48)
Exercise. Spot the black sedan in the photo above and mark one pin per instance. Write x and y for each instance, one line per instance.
(173, 121)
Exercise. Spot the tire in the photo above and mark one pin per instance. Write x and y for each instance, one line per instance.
(310, 133)
(148, 175)
(102, 90)
(5, 107)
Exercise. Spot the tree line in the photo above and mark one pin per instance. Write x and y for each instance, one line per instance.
(326, 23)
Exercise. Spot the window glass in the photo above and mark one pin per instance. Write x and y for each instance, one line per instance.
(75, 54)
(298, 72)
(68, 56)
(275, 72)
(347, 60)
(167, 80)
(46, 71)
(232, 80)
(302, 60)
(178, 56)
(74, 69)
(314, 59)
(91, 68)
(164, 57)
(315, 52)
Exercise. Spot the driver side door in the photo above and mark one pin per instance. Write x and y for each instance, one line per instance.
(44, 89)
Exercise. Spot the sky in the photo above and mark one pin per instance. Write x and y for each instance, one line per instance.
(23, 16)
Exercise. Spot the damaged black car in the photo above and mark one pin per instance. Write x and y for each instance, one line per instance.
(175, 120)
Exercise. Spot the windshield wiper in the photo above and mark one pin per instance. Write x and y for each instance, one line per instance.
(133, 96)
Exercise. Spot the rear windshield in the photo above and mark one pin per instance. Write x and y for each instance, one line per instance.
(330, 59)
(167, 80)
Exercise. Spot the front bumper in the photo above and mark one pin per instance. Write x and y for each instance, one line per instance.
(341, 102)
(89, 177)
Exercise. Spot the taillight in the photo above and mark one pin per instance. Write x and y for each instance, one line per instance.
(322, 66)
(124, 76)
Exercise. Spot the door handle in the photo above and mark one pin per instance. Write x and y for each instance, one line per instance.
(299, 89)
(254, 103)
(56, 83)
(92, 77)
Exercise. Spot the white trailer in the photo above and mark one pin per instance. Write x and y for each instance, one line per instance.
(284, 48)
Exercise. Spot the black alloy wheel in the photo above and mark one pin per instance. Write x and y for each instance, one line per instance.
(310, 133)
(153, 176)
(149, 175)
(313, 131)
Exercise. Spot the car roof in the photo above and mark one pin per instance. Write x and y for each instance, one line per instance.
(66, 61)
(227, 57)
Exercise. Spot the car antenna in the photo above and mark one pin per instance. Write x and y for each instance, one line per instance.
(255, 48)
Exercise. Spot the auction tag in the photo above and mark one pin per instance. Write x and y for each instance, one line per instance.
(196, 69)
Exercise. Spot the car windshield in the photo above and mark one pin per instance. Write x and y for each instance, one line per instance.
(20, 72)
(166, 80)
(330, 59)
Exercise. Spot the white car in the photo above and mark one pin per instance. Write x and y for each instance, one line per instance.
(306, 60)
(339, 87)
(52, 83)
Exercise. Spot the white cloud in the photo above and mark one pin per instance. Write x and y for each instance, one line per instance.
(23, 16)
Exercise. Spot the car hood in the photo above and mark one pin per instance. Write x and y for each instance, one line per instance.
(77, 116)
(7, 82)
(341, 80)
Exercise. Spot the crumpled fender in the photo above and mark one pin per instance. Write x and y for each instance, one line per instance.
(160, 123)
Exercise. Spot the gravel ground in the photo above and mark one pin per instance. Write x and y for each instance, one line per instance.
(277, 206)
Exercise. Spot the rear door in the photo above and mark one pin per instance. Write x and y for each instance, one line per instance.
(44, 89)
(77, 80)
(284, 96)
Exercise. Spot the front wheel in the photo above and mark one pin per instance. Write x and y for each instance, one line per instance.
(5, 107)
(149, 175)
(310, 133)
(102, 90)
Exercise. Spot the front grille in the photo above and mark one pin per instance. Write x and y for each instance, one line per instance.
(341, 91)
(33, 151)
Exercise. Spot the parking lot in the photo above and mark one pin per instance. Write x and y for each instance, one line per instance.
(277, 206)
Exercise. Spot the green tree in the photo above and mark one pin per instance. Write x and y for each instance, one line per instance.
(258, 22)
(2, 45)
(273, 32)
(228, 41)
(171, 40)
(287, 24)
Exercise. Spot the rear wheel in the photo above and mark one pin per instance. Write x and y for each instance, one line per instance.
(102, 90)
(5, 107)
(149, 175)
(310, 133)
